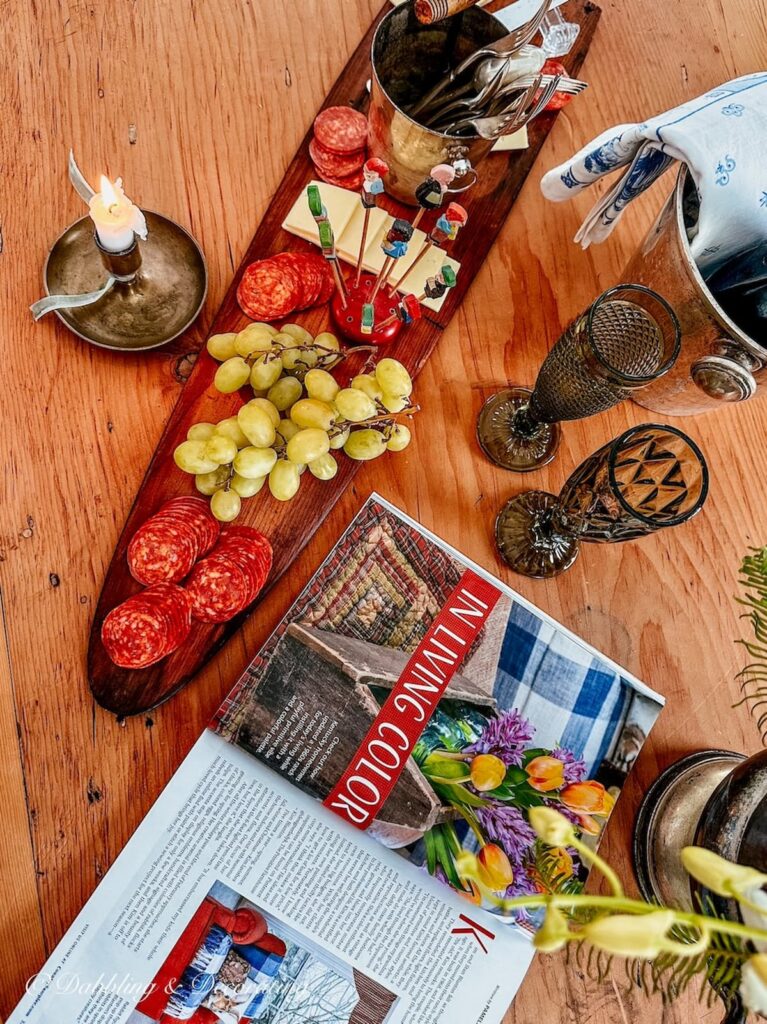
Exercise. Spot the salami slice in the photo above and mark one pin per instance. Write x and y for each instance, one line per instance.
(195, 511)
(341, 129)
(268, 290)
(353, 182)
(147, 627)
(167, 545)
(218, 589)
(249, 549)
(329, 286)
(162, 551)
(338, 165)
(309, 273)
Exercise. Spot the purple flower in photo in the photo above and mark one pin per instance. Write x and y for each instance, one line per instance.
(505, 737)
(522, 885)
(508, 827)
(575, 767)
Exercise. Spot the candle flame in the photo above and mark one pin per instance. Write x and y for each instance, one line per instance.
(108, 194)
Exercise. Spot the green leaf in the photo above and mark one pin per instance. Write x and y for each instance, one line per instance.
(444, 769)
(457, 795)
(527, 797)
(431, 853)
(530, 755)
(445, 857)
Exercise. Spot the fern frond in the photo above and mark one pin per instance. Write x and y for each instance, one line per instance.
(549, 870)
(753, 678)
(669, 976)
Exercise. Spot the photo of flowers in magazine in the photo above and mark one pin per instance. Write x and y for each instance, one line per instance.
(532, 717)
(236, 963)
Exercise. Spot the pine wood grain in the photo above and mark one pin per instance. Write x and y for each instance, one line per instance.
(219, 97)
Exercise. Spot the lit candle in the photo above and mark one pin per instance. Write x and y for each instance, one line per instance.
(115, 217)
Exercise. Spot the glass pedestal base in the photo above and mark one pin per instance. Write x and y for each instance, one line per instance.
(504, 443)
(526, 541)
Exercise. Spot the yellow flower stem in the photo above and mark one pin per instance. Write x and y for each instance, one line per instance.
(593, 858)
(623, 904)
(745, 902)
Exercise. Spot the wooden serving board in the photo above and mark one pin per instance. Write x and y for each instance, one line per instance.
(289, 526)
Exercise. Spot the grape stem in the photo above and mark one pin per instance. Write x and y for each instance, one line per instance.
(328, 357)
(387, 418)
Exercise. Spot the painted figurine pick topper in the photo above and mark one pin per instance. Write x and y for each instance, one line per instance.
(429, 194)
(409, 309)
(373, 173)
(444, 174)
(316, 206)
(367, 318)
(448, 224)
(396, 239)
(436, 286)
(326, 237)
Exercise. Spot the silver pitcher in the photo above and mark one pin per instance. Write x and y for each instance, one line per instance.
(718, 362)
(408, 58)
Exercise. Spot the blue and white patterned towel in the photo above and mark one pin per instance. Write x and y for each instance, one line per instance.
(721, 136)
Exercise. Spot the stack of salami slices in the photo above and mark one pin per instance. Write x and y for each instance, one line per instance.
(224, 584)
(338, 147)
(148, 626)
(273, 288)
(166, 547)
(226, 571)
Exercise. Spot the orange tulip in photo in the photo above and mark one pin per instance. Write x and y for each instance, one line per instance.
(487, 772)
(588, 797)
(545, 773)
(495, 868)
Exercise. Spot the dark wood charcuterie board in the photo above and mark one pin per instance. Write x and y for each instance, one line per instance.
(289, 526)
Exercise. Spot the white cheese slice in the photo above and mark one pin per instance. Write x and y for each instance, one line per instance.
(340, 204)
(348, 245)
(507, 143)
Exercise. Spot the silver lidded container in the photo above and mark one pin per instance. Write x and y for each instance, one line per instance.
(719, 363)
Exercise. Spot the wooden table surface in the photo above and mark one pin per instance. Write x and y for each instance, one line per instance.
(200, 107)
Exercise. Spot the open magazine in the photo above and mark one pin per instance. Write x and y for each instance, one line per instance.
(300, 865)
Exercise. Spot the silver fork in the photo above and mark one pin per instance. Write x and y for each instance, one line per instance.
(569, 86)
(493, 127)
(500, 100)
(524, 117)
(505, 46)
(475, 104)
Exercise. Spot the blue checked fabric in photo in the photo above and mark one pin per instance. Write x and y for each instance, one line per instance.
(571, 697)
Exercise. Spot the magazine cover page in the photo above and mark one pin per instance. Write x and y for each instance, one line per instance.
(431, 705)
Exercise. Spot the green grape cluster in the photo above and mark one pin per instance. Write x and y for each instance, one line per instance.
(298, 418)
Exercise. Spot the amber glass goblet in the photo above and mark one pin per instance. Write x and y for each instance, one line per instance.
(646, 479)
(626, 339)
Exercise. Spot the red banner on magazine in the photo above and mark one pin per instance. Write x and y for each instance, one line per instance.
(373, 771)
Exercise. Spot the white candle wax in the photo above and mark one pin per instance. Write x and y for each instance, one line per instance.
(115, 217)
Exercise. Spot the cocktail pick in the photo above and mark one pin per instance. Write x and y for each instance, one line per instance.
(373, 174)
(429, 194)
(445, 230)
(367, 318)
(327, 238)
(394, 245)
(434, 288)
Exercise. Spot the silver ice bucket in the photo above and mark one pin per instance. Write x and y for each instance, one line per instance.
(718, 362)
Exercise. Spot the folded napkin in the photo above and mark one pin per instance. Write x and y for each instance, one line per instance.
(721, 136)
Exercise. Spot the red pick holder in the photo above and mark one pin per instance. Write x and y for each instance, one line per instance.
(348, 321)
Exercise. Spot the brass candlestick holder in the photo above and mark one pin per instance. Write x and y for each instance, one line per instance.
(133, 300)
